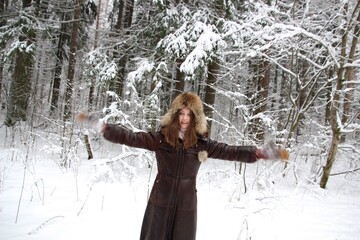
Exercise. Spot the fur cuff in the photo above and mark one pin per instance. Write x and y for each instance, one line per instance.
(203, 156)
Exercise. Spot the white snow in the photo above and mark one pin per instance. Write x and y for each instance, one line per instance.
(105, 198)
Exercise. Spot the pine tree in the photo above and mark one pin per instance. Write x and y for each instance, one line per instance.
(20, 85)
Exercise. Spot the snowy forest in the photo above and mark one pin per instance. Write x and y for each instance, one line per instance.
(286, 70)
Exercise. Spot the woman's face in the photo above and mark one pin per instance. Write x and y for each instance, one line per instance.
(185, 117)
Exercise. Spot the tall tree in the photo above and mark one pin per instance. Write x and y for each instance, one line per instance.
(60, 53)
(96, 42)
(62, 34)
(258, 92)
(210, 90)
(20, 85)
(262, 94)
(121, 32)
(343, 72)
(2, 44)
(350, 74)
(179, 77)
(72, 60)
(214, 63)
(84, 13)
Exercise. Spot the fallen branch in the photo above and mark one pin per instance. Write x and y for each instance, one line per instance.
(350, 171)
(87, 196)
(35, 230)
(21, 193)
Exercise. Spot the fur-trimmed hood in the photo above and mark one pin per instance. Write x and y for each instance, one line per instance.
(194, 103)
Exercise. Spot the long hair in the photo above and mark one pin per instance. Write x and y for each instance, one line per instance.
(171, 132)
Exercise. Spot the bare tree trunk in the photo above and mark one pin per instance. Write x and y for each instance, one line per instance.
(2, 23)
(4, 4)
(1, 70)
(335, 124)
(303, 93)
(213, 70)
(92, 84)
(179, 78)
(120, 77)
(58, 68)
(119, 24)
(124, 22)
(262, 97)
(335, 128)
(331, 157)
(72, 61)
(88, 147)
(328, 97)
(258, 95)
(129, 10)
(21, 85)
(118, 86)
(350, 74)
(96, 39)
(282, 104)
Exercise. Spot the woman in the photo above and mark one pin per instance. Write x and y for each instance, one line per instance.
(180, 146)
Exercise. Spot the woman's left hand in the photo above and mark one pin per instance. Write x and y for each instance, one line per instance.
(271, 151)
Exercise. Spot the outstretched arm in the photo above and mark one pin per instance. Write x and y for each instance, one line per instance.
(224, 151)
(248, 154)
(118, 134)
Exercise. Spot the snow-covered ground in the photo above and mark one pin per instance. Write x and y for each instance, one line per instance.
(98, 200)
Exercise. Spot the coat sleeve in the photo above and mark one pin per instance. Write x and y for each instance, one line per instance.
(119, 134)
(224, 151)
